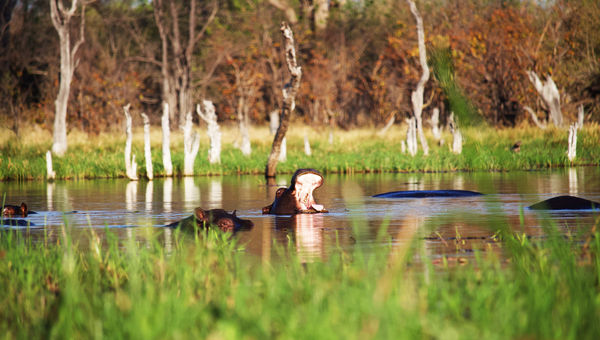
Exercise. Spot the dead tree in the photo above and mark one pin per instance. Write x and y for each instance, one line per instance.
(435, 125)
(289, 99)
(61, 19)
(166, 141)
(50, 174)
(191, 144)
(177, 52)
(457, 139)
(307, 150)
(550, 96)
(130, 164)
(572, 143)
(212, 130)
(411, 136)
(273, 125)
(417, 95)
(147, 148)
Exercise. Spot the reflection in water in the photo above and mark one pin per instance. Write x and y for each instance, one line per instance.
(168, 194)
(149, 193)
(191, 194)
(573, 181)
(131, 195)
(215, 193)
(307, 232)
(459, 182)
(50, 196)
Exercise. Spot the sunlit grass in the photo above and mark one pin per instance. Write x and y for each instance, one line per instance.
(356, 150)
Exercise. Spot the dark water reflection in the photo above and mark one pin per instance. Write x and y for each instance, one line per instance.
(445, 225)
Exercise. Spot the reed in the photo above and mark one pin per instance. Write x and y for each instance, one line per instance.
(360, 150)
(207, 286)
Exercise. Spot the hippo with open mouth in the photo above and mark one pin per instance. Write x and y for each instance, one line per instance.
(203, 219)
(298, 198)
(15, 210)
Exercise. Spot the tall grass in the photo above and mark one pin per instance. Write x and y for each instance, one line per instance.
(360, 150)
(208, 287)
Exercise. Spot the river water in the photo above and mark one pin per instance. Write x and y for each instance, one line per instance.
(452, 227)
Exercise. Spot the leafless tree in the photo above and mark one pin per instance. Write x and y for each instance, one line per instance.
(289, 99)
(61, 19)
(177, 52)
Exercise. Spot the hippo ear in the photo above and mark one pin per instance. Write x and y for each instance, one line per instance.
(279, 192)
(200, 214)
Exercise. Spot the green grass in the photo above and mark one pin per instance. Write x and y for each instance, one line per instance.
(361, 150)
(208, 287)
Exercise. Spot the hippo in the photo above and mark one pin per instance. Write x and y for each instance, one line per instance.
(202, 219)
(428, 193)
(298, 198)
(565, 202)
(15, 210)
(13, 222)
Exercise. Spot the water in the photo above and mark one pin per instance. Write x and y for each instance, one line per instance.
(445, 226)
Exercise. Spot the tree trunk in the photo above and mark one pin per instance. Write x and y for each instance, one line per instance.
(191, 144)
(166, 141)
(572, 145)
(411, 136)
(289, 99)
(50, 174)
(213, 131)
(550, 96)
(435, 124)
(130, 164)
(457, 138)
(147, 147)
(417, 95)
(61, 19)
(307, 150)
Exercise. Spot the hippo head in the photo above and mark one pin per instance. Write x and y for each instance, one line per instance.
(298, 198)
(214, 217)
(14, 210)
(222, 219)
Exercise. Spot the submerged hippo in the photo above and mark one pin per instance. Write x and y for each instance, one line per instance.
(298, 198)
(428, 193)
(203, 219)
(565, 203)
(15, 210)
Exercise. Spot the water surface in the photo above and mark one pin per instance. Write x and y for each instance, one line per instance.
(445, 226)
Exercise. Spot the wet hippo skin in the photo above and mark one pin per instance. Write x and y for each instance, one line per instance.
(203, 219)
(428, 193)
(298, 197)
(565, 203)
(15, 210)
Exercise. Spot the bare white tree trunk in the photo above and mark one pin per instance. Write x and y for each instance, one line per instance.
(130, 164)
(435, 124)
(213, 130)
(550, 95)
(580, 115)
(283, 151)
(289, 101)
(147, 148)
(542, 125)
(50, 174)
(417, 95)
(320, 14)
(307, 150)
(246, 147)
(61, 18)
(411, 136)
(457, 139)
(166, 141)
(273, 121)
(191, 144)
(572, 147)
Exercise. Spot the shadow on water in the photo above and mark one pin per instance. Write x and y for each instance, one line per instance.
(451, 227)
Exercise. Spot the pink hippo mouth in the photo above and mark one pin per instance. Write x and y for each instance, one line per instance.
(305, 184)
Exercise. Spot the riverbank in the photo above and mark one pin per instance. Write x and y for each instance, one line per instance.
(154, 285)
(359, 150)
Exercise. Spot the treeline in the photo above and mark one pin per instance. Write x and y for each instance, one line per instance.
(359, 59)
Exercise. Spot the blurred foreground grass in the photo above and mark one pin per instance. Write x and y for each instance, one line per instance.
(155, 286)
